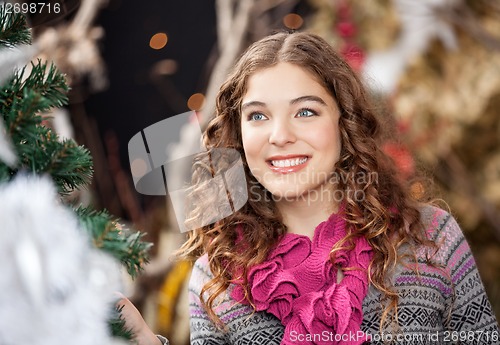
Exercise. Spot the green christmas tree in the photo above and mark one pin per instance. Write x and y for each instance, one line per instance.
(25, 95)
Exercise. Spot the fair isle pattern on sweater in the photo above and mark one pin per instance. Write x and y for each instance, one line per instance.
(441, 306)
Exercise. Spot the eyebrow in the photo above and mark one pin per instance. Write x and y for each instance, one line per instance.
(293, 101)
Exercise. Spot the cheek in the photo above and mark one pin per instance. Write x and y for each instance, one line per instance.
(326, 139)
(250, 145)
(250, 149)
(245, 140)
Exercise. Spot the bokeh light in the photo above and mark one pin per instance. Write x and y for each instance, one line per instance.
(293, 21)
(158, 41)
(196, 101)
(165, 67)
(138, 167)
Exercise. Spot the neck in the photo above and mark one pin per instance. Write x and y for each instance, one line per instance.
(303, 214)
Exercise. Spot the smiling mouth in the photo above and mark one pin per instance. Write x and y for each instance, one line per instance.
(288, 165)
(285, 163)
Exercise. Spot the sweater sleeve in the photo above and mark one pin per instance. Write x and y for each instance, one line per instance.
(203, 329)
(164, 341)
(470, 318)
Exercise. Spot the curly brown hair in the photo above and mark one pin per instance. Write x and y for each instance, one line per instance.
(387, 217)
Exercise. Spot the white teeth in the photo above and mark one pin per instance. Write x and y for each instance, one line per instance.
(288, 162)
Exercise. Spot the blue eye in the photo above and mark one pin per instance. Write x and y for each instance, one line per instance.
(306, 113)
(256, 117)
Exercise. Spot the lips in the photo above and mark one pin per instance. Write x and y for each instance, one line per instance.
(287, 164)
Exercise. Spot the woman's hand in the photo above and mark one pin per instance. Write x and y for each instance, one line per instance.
(134, 321)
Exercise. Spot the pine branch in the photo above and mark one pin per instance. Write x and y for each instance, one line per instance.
(22, 99)
(13, 29)
(5, 172)
(108, 236)
(40, 151)
(117, 325)
(41, 90)
(50, 84)
(38, 148)
(19, 112)
(69, 165)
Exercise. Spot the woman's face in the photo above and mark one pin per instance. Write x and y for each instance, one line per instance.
(290, 131)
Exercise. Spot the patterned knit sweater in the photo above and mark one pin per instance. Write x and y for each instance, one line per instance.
(441, 306)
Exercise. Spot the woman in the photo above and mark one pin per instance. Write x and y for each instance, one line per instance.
(331, 248)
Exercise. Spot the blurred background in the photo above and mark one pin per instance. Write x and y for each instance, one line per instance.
(434, 67)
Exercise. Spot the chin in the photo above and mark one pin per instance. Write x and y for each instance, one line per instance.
(290, 193)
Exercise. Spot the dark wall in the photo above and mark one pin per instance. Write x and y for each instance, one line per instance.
(135, 99)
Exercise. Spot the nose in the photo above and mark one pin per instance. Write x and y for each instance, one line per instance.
(282, 133)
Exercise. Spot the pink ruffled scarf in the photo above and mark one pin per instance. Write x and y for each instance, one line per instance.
(298, 284)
